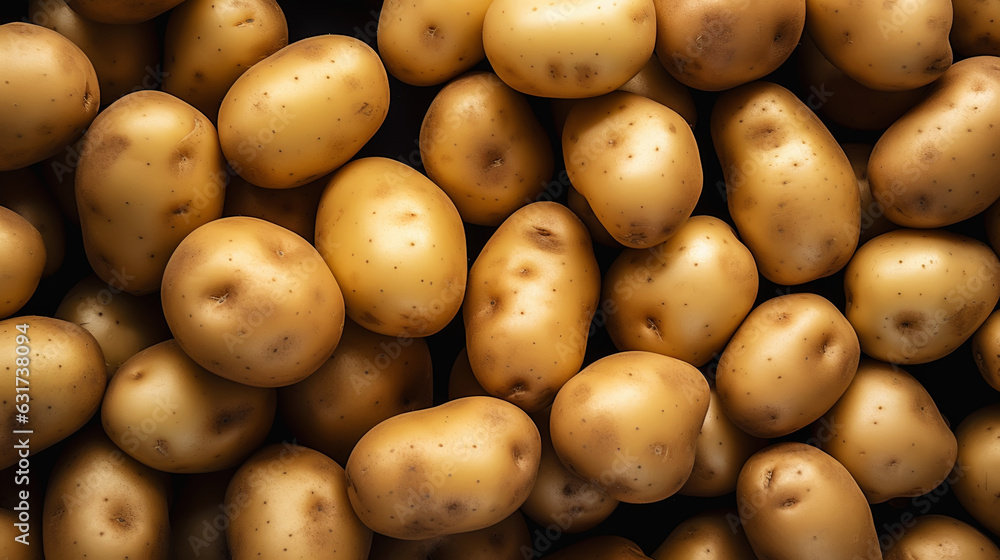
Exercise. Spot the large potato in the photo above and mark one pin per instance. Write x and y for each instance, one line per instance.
(709, 535)
(533, 290)
(396, 243)
(252, 302)
(629, 422)
(942, 538)
(150, 172)
(978, 462)
(303, 111)
(935, 165)
(790, 188)
(460, 466)
(914, 296)
(50, 93)
(22, 261)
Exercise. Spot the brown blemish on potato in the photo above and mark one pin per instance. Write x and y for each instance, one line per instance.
(161, 447)
(104, 154)
(966, 319)
(766, 135)
(227, 419)
(545, 239)
(584, 73)
(367, 317)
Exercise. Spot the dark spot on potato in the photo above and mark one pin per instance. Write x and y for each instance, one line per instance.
(105, 153)
(367, 317)
(584, 73)
(545, 239)
(766, 135)
(232, 417)
(967, 319)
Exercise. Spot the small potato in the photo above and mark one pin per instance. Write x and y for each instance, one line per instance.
(292, 502)
(797, 502)
(787, 364)
(914, 296)
(710, 535)
(303, 111)
(55, 378)
(121, 12)
(210, 43)
(604, 547)
(460, 466)
(942, 538)
(507, 540)
(23, 192)
(396, 243)
(986, 349)
(198, 518)
(629, 422)
(169, 413)
(888, 433)
(653, 81)
(293, 209)
(482, 144)
(721, 44)
(976, 28)
(50, 94)
(684, 297)
(637, 164)
(22, 261)
(369, 377)
(533, 290)
(568, 50)
(428, 43)
(948, 138)
(978, 462)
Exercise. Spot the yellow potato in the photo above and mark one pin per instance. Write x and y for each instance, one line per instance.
(428, 43)
(532, 293)
(986, 349)
(23, 192)
(396, 243)
(507, 539)
(22, 261)
(303, 111)
(709, 535)
(978, 462)
(943, 538)
(629, 422)
(121, 11)
(460, 466)
(637, 164)
(572, 49)
(914, 296)
(790, 188)
(50, 93)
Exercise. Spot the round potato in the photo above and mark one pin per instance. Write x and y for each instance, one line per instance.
(23, 192)
(396, 243)
(460, 466)
(507, 539)
(51, 93)
(482, 144)
(428, 43)
(573, 49)
(986, 349)
(629, 422)
(252, 302)
(684, 297)
(978, 462)
(22, 261)
(121, 11)
(290, 501)
(787, 364)
(710, 535)
(943, 538)
(303, 111)
(169, 413)
(914, 296)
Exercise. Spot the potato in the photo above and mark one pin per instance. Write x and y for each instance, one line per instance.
(169, 413)
(873, 219)
(725, 43)
(637, 164)
(888, 433)
(56, 380)
(293, 209)
(986, 349)
(22, 261)
(533, 290)
(709, 535)
(123, 324)
(948, 138)
(429, 43)
(573, 49)
(482, 144)
(101, 503)
(303, 111)
(291, 501)
(684, 297)
(629, 423)
(369, 377)
(720, 452)
(155, 140)
(974, 30)
(787, 364)
(888, 46)
(943, 538)
(507, 539)
(796, 501)
(603, 547)
(978, 461)
(790, 188)
(50, 92)
(23, 192)
(126, 57)
(252, 302)
(121, 11)
(396, 244)
(460, 466)
(914, 296)
(198, 518)
(653, 81)
(15, 545)
(211, 43)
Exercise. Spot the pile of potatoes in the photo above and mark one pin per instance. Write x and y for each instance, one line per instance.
(500, 279)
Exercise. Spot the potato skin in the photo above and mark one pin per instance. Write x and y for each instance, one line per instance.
(942, 538)
(978, 462)
(532, 292)
(975, 30)
(986, 350)
(460, 466)
(653, 81)
(22, 261)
